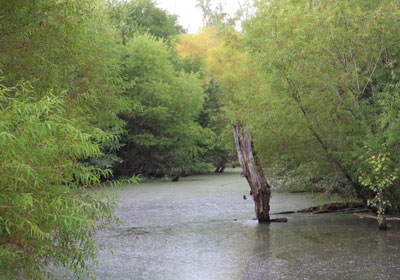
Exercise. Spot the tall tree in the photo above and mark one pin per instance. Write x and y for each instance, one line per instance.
(327, 67)
(228, 64)
(162, 131)
(140, 16)
(197, 48)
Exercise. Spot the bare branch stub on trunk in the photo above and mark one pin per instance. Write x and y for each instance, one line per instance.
(253, 172)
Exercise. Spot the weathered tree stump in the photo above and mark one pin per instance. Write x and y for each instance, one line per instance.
(253, 172)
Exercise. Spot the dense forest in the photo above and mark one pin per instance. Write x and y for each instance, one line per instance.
(96, 92)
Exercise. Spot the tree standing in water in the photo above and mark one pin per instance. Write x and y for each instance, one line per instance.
(253, 172)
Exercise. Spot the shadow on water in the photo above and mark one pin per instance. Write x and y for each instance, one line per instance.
(258, 262)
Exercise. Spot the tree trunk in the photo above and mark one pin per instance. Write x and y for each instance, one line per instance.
(220, 167)
(382, 224)
(176, 178)
(253, 172)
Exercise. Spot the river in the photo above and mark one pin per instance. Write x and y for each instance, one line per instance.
(201, 228)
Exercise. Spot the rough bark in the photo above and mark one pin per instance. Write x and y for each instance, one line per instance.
(253, 172)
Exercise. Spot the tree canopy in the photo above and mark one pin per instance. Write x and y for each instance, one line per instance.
(328, 67)
(316, 83)
(143, 16)
(162, 132)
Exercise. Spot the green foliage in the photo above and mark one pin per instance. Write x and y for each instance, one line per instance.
(142, 16)
(163, 96)
(212, 105)
(49, 208)
(162, 133)
(379, 175)
(330, 74)
(65, 46)
(219, 150)
(197, 53)
(69, 91)
(58, 133)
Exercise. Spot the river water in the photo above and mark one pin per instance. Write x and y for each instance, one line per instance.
(202, 228)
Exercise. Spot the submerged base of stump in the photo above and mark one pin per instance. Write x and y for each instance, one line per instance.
(277, 220)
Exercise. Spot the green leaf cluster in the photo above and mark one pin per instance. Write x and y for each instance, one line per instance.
(64, 46)
(48, 216)
(143, 16)
(379, 175)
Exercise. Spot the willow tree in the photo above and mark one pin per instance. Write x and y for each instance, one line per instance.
(65, 46)
(58, 96)
(332, 90)
(47, 215)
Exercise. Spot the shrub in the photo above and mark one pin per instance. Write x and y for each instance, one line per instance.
(49, 207)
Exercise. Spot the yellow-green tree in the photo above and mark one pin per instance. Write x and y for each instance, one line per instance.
(331, 71)
(198, 48)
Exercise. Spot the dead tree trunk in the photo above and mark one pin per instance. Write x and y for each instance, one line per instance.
(220, 168)
(253, 172)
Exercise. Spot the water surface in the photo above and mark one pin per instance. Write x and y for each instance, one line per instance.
(202, 228)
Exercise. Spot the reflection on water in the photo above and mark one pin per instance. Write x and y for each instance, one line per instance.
(201, 228)
(259, 261)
